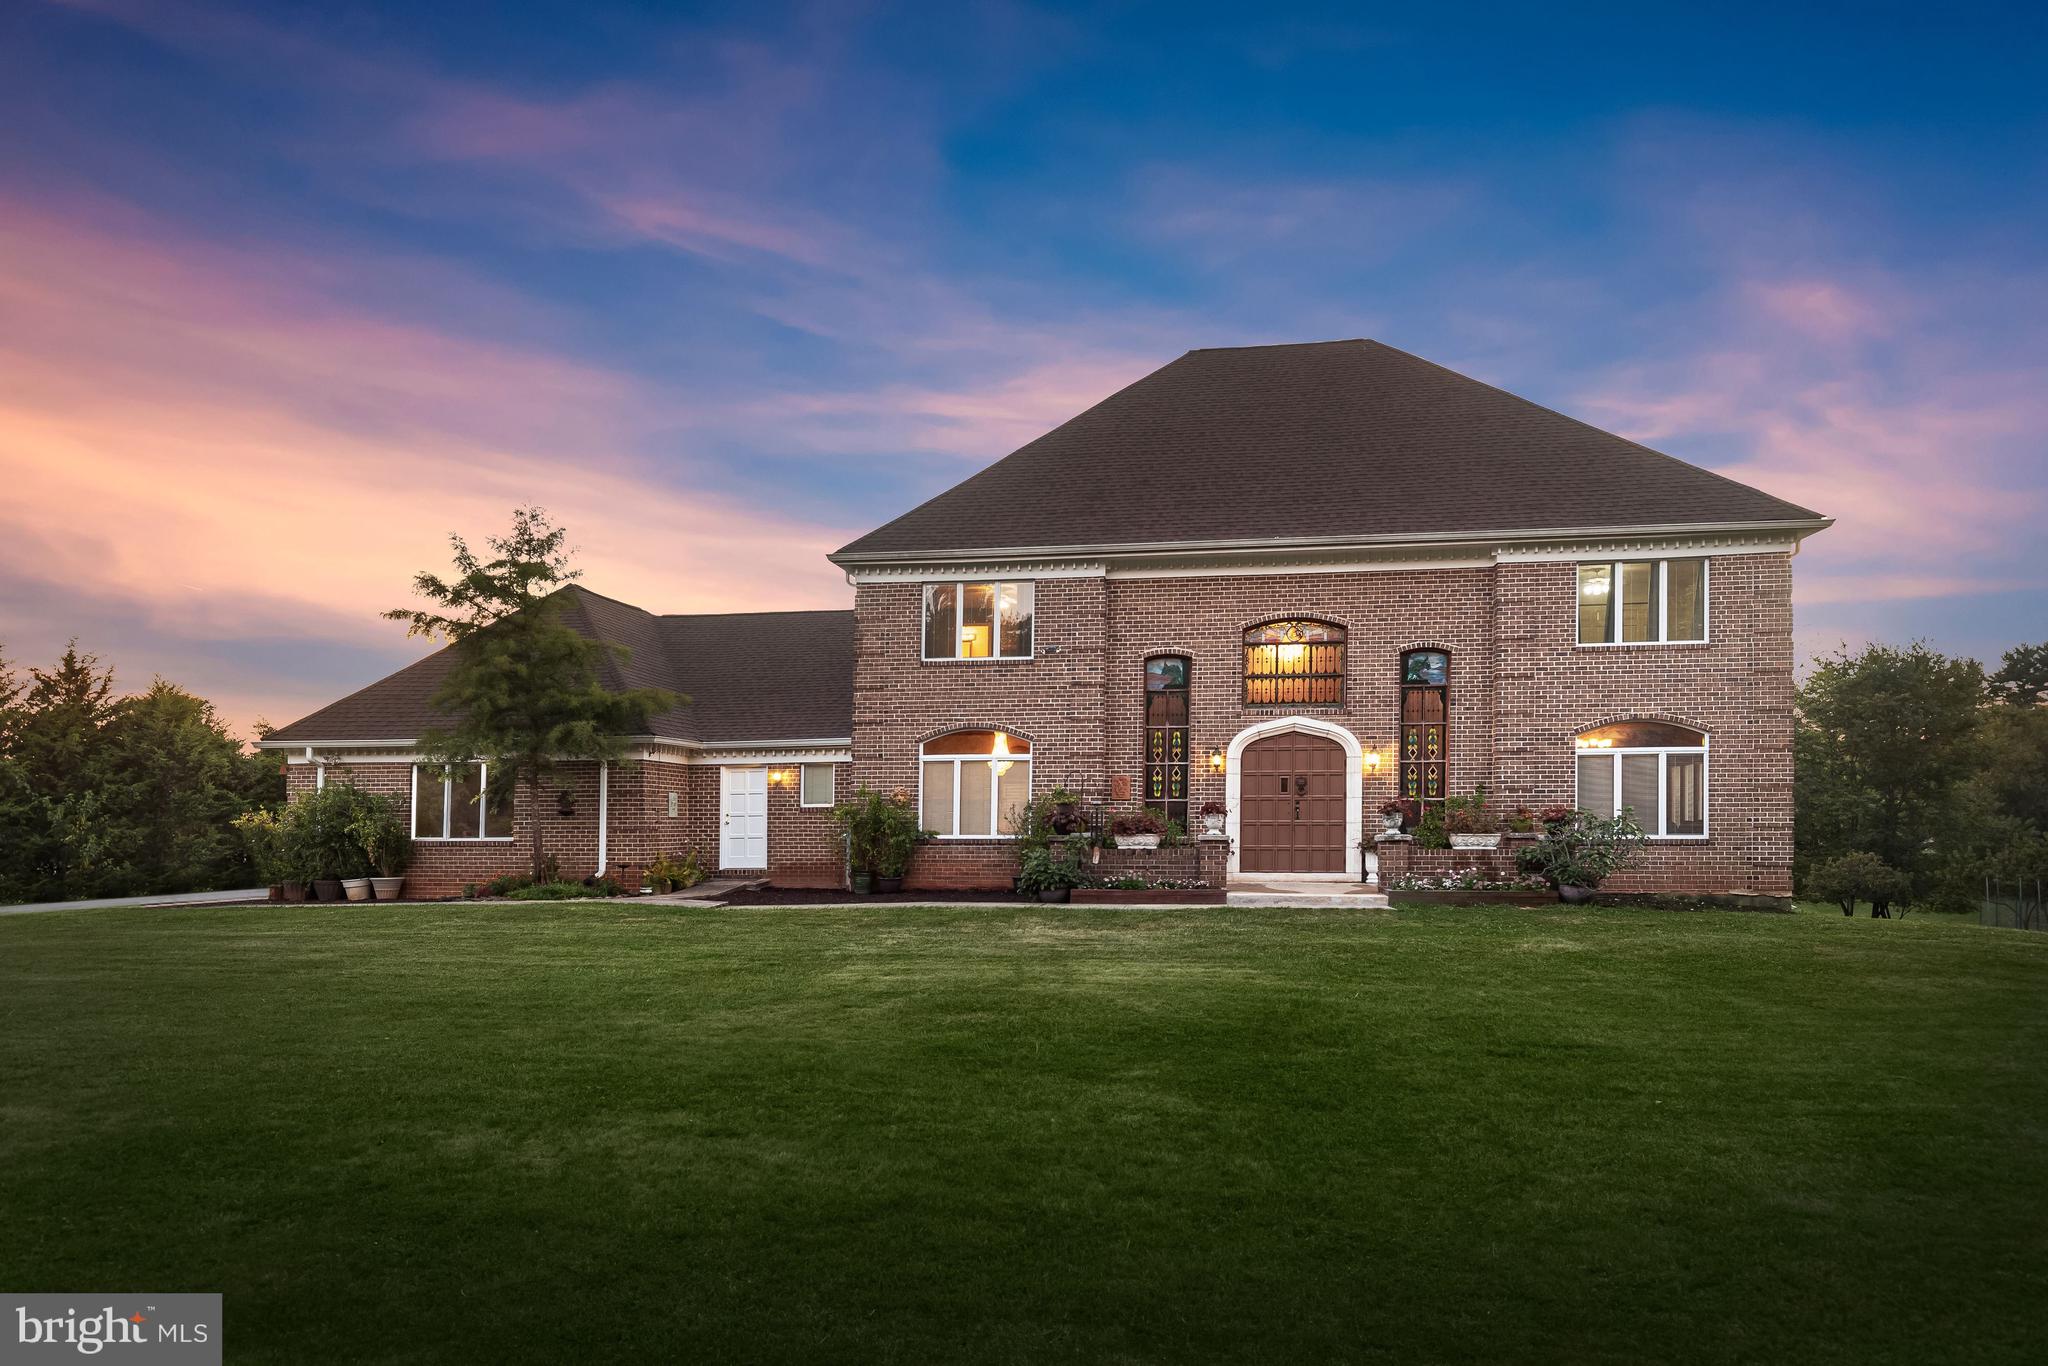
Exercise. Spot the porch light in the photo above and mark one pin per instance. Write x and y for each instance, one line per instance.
(1216, 759)
(1372, 762)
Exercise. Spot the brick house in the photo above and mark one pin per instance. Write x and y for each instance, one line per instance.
(1296, 580)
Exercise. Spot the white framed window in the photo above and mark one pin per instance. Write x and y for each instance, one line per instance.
(1653, 769)
(1642, 602)
(978, 620)
(814, 787)
(974, 784)
(453, 803)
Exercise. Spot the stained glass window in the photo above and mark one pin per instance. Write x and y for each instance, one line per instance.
(1294, 663)
(1425, 722)
(1166, 736)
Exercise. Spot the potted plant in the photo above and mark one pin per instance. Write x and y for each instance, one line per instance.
(387, 846)
(1212, 814)
(1579, 851)
(321, 843)
(1469, 824)
(1063, 810)
(1522, 821)
(896, 840)
(1395, 815)
(1140, 829)
(1050, 874)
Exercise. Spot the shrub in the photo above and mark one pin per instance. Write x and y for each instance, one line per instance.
(882, 833)
(1049, 870)
(382, 833)
(1430, 832)
(1522, 820)
(1859, 877)
(674, 874)
(504, 884)
(1143, 821)
(1469, 815)
(262, 835)
(1581, 851)
(321, 839)
(564, 891)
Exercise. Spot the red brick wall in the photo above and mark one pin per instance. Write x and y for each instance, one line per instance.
(1520, 690)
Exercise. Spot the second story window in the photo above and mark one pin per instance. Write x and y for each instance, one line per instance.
(970, 620)
(1641, 602)
(1294, 663)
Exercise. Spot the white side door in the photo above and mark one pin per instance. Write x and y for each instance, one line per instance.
(743, 818)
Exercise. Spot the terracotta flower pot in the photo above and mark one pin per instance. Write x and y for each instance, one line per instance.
(292, 891)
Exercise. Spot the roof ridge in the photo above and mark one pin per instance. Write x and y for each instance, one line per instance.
(1281, 346)
(762, 612)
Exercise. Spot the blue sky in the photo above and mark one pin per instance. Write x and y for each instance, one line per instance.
(287, 294)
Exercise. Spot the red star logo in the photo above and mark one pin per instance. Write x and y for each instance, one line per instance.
(137, 1318)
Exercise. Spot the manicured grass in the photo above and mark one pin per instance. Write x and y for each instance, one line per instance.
(566, 1132)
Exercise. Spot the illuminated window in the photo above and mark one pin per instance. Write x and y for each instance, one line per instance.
(1640, 602)
(816, 789)
(451, 804)
(977, 620)
(1653, 769)
(974, 784)
(1294, 663)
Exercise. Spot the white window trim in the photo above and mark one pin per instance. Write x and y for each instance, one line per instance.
(483, 817)
(995, 644)
(1663, 603)
(831, 785)
(995, 790)
(1664, 753)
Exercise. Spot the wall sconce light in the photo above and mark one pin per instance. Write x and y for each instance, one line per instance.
(565, 802)
(1372, 762)
(781, 777)
(1216, 759)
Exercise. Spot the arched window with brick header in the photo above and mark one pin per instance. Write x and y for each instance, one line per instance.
(1655, 770)
(1166, 735)
(1425, 724)
(974, 784)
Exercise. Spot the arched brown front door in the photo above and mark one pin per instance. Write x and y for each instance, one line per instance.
(1290, 813)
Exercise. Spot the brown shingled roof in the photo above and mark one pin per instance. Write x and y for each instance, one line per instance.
(1243, 446)
(750, 676)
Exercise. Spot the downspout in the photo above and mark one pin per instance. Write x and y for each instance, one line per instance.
(604, 806)
(319, 770)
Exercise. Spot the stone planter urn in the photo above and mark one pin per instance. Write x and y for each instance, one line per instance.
(1212, 823)
(1390, 822)
(356, 888)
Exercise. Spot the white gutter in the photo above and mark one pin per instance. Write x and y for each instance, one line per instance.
(1256, 544)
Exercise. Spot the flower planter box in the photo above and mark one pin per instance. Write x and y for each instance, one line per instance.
(1140, 896)
(1475, 841)
(1474, 897)
(1137, 841)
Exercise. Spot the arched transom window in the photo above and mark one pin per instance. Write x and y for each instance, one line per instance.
(974, 783)
(1654, 769)
(1294, 663)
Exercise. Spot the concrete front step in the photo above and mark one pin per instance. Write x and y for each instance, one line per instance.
(1313, 895)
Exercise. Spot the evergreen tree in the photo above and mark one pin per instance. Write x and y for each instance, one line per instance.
(525, 689)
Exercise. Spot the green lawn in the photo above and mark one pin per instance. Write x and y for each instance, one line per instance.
(561, 1132)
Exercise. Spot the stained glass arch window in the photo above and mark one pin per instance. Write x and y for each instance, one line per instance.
(1425, 724)
(1294, 663)
(1166, 735)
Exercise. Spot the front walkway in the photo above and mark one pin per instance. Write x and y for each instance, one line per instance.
(1329, 893)
(171, 899)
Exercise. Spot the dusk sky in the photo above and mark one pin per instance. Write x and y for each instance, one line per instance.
(289, 293)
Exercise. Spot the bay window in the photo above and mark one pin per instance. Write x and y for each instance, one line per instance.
(1652, 769)
(974, 784)
(455, 803)
(978, 620)
(1642, 602)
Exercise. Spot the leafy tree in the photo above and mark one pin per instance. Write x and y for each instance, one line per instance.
(1883, 740)
(2022, 677)
(1850, 878)
(525, 688)
(174, 780)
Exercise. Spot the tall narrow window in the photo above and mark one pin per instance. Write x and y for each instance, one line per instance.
(1425, 722)
(1166, 736)
(1655, 771)
(1294, 663)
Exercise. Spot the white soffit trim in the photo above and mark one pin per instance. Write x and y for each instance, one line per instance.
(1008, 569)
(747, 758)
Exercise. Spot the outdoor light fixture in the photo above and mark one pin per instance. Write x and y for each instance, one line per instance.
(565, 802)
(1372, 762)
(1216, 759)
